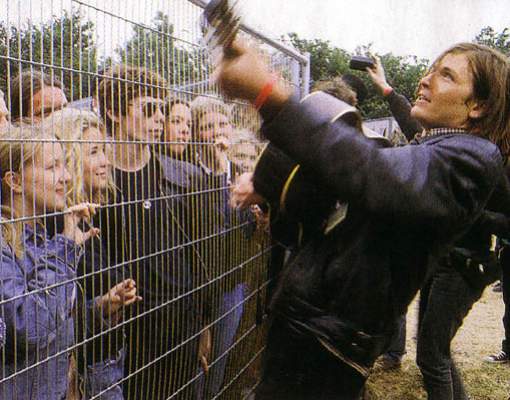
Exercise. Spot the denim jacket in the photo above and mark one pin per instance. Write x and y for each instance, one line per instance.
(2, 333)
(37, 295)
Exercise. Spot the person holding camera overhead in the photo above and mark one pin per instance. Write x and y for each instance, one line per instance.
(338, 298)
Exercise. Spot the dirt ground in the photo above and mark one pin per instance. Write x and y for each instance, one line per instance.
(479, 336)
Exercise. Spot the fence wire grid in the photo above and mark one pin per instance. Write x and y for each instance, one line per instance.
(125, 272)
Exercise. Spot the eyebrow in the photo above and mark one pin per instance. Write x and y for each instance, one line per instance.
(450, 71)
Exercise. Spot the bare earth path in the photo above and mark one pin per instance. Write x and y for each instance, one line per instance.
(480, 335)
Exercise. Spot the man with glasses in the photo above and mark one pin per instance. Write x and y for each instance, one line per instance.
(35, 95)
(141, 239)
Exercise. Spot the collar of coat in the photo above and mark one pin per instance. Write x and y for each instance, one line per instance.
(435, 132)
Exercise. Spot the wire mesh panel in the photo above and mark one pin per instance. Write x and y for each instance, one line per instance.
(125, 271)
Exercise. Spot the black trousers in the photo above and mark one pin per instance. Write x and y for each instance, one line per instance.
(160, 364)
(445, 301)
(397, 346)
(297, 368)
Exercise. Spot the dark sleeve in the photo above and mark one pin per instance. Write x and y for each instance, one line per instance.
(401, 110)
(272, 171)
(95, 280)
(494, 223)
(442, 183)
(289, 188)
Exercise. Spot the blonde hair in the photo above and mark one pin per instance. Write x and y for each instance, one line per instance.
(69, 125)
(203, 105)
(18, 146)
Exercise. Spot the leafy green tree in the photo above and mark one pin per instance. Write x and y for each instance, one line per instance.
(499, 41)
(328, 62)
(63, 46)
(155, 47)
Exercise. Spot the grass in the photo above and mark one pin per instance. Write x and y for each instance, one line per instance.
(483, 382)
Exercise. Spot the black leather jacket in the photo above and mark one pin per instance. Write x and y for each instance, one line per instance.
(406, 206)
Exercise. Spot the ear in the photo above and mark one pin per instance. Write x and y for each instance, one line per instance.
(13, 180)
(476, 109)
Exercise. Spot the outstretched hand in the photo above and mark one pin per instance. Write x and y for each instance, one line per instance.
(204, 349)
(243, 193)
(378, 76)
(72, 217)
(121, 295)
(242, 74)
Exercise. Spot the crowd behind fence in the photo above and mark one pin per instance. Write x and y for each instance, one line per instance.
(125, 272)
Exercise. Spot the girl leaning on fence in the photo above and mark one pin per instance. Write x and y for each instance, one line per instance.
(37, 272)
(105, 287)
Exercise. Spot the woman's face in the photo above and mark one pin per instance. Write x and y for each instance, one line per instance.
(95, 162)
(178, 128)
(44, 180)
(212, 125)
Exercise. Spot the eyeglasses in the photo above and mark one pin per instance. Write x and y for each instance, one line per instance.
(150, 108)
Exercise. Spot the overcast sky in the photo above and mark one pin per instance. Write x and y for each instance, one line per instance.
(417, 27)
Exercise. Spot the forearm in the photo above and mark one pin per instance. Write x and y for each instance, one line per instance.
(401, 110)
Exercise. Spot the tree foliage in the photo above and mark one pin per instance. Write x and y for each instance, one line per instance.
(155, 47)
(328, 61)
(63, 46)
(499, 41)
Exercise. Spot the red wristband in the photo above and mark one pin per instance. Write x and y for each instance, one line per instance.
(264, 93)
(387, 91)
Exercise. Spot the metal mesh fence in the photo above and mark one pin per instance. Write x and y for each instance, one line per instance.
(125, 273)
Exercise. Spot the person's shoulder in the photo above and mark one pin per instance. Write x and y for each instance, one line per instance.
(470, 142)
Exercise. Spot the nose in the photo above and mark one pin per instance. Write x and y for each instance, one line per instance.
(159, 116)
(66, 176)
(185, 129)
(425, 81)
(103, 160)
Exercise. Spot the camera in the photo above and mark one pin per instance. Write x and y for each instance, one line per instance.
(361, 63)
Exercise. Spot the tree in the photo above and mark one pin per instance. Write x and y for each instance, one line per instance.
(64, 46)
(328, 62)
(499, 41)
(156, 48)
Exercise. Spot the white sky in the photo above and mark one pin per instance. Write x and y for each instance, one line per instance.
(417, 27)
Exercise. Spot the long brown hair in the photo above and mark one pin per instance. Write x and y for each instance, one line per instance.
(491, 87)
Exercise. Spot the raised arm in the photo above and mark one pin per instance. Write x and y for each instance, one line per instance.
(399, 105)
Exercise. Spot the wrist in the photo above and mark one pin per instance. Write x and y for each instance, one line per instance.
(265, 92)
(275, 102)
(386, 90)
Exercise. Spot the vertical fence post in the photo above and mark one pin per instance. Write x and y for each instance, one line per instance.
(305, 89)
